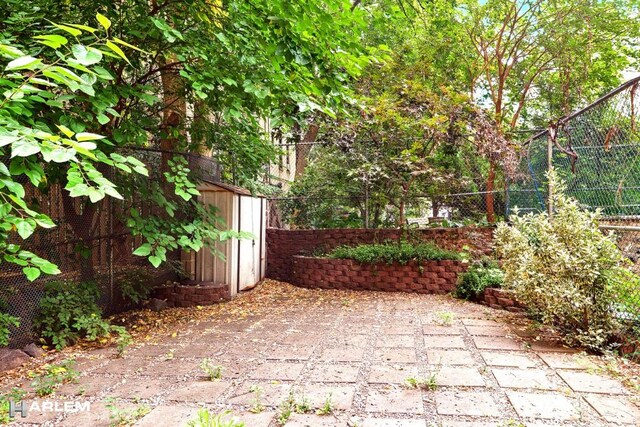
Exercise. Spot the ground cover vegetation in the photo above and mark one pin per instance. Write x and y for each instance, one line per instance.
(400, 252)
(482, 274)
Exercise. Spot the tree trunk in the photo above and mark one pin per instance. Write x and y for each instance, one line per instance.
(173, 113)
(435, 207)
(303, 150)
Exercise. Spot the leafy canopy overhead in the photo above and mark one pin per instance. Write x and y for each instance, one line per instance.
(31, 142)
(87, 83)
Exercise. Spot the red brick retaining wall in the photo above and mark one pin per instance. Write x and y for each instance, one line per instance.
(427, 277)
(191, 295)
(282, 245)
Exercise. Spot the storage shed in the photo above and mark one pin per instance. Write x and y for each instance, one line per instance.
(244, 260)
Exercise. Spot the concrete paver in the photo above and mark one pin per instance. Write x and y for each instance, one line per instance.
(395, 400)
(443, 341)
(466, 403)
(334, 373)
(524, 378)
(450, 357)
(591, 383)
(615, 409)
(546, 406)
(513, 359)
(392, 374)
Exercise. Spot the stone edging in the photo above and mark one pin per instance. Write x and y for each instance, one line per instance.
(177, 295)
(501, 299)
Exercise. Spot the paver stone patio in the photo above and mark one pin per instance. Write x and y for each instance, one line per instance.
(291, 343)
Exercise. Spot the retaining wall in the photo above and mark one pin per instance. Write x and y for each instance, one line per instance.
(283, 245)
(429, 277)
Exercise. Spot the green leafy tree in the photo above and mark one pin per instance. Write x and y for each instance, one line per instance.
(198, 76)
(38, 88)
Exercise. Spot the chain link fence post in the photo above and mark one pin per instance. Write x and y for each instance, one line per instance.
(551, 136)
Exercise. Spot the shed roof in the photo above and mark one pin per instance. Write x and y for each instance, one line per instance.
(233, 188)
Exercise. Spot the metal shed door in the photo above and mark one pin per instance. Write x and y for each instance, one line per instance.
(249, 249)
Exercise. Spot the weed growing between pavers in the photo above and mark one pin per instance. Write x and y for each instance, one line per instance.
(123, 341)
(256, 403)
(125, 417)
(53, 376)
(327, 408)
(207, 419)
(214, 372)
(428, 383)
(290, 405)
(445, 318)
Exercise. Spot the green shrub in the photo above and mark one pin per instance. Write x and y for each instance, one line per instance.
(565, 270)
(401, 252)
(484, 274)
(69, 311)
(135, 284)
(6, 321)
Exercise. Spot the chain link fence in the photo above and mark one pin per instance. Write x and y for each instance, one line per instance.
(290, 163)
(90, 243)
(448, 210)
(596, 152)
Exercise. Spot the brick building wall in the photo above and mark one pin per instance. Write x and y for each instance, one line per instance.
(429, 277)
(282, 245)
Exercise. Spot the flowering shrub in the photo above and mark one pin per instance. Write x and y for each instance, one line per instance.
(565, 270)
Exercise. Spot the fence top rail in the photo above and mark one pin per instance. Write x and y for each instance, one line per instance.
(417, 196)
(619, 227)
(583, 110)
